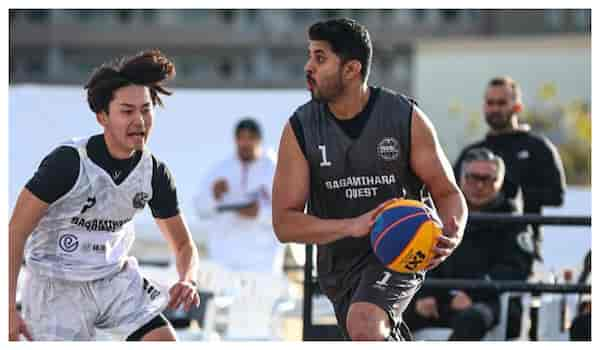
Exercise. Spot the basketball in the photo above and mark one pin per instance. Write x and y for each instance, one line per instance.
(404, 234)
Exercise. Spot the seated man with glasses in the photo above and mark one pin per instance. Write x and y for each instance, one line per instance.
(497, 251)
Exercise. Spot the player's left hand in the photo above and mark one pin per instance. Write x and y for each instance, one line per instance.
(446, 243)
(183, 293)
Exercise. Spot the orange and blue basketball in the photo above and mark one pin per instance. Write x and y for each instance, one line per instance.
(404, 234)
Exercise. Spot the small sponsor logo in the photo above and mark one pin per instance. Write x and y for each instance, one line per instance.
(524, 154)
(152, 292)
(140, 199)
(68, 243)
(94, 248)
(388, 149)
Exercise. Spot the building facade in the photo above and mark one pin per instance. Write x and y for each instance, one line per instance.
(254, 48)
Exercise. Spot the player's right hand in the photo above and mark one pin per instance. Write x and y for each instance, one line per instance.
(379, 209)
(16, 327)
(427, 307)
(361, 225)
(220, 187)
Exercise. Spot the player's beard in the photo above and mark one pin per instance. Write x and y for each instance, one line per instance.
(498, 120)
(246, 154)
(329, 89)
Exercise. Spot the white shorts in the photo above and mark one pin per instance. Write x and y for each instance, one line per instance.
(56, 309)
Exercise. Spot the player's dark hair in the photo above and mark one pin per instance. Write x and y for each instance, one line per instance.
(148, 68)
(249, 124)
(510, 82)
(349, 40)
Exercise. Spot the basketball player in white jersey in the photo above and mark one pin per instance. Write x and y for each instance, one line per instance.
(73, 221)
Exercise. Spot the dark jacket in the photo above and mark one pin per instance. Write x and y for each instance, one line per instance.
(532, 164)
(488, 251)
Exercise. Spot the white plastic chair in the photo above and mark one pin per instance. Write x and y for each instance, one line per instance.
(549, 327)
(245, 303)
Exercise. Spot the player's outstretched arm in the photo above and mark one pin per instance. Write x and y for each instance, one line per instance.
(27, 213)
(290, 192)
(177, 234)
(430, 164)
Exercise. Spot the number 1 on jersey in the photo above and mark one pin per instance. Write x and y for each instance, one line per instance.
(324, 161)
(384, 280)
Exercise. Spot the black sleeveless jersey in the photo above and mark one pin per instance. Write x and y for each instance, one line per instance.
(352, 175)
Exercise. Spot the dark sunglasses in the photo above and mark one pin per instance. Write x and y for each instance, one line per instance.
(499, 102)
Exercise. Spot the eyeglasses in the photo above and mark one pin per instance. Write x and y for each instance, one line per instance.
(498, 102)
(474, 178)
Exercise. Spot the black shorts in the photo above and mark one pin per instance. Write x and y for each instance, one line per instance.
(391, 291)
(157, 322)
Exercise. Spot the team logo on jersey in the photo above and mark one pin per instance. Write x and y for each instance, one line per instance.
(91, 201)
(524, 154)
(388, 149)
(140, 199)
(68, 243)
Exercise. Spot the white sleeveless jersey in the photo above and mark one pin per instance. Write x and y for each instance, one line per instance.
(87, 233)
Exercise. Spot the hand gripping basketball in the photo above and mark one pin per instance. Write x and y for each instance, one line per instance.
(404, 235)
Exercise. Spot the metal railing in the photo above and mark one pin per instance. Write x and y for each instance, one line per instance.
(312, 331)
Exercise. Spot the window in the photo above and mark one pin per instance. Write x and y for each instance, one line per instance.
(249, 68)
(330, 13)
(228, 16)
(583, 20)
(302, 15)
(553, 19)
(149, 16)
(252, 15)
(94, 16)
(449, 15)
(12, 15)
(35, 67)
(195, 16)
(124, 16)
(225, 69)
(38, 16)
(11, 66)
(358, 14)
(420, 15)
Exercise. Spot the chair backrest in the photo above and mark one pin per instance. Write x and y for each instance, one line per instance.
(252, 307)
(549, 318)
(244, 302)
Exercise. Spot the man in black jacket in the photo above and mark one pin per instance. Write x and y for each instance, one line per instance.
(488, 251)
(533, 164)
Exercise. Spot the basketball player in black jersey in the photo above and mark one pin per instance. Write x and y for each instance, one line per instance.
(76, 211)
(343, 154)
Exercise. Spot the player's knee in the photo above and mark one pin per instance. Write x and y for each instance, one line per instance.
(367, 322)
(165, 333)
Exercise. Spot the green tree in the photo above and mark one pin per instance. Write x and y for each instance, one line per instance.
(569, 126)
